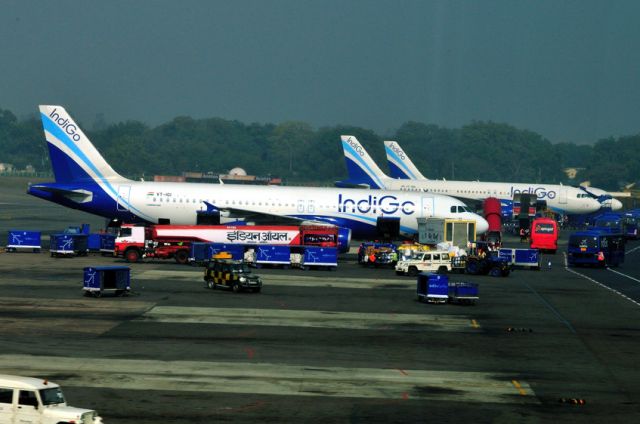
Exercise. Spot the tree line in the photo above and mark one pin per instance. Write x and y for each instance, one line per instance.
(300, 154)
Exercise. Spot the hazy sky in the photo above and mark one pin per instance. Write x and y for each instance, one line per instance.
(568, 70)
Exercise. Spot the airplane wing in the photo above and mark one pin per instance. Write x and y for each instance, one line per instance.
(256, 217)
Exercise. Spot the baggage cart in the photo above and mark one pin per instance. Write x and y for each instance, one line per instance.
(66, 244)
(106, 279)
(522, 258)
(463, 292)
(432, 288)
(21, 240)
(103, 243)
(272, 255)
(319, 257)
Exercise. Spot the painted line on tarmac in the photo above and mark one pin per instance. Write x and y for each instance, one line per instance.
(624, 296)
(271, 379)
(633, 250)
(624, 275)
(301, 280)
(82, 306)
(551, 308)
(309, 319)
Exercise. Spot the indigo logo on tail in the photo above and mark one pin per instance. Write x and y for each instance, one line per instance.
(396, 149)
(356, 146)
(68, 126)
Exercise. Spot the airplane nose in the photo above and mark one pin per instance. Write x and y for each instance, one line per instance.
(616, 205)
(482, 226)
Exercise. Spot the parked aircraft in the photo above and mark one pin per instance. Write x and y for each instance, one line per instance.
(85, 181)
(402, 167)
(363, 171)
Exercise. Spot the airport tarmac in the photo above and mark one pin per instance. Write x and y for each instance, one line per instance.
(352, 345)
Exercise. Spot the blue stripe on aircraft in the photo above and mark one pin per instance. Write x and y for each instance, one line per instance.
(57, 132)
(399, 163)
(363, 164)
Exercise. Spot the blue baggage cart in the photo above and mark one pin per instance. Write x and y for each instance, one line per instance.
(236, 250)
(322, 257)
(273, 255)
(24, 240)
(101, 243)
(463, 292)
(106, 279)
(68, 244)
(432, 288)
(522, 258)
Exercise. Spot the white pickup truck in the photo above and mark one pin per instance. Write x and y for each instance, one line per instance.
(430, 261)
(38, 401)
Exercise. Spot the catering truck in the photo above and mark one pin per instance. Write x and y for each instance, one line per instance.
(174, 241)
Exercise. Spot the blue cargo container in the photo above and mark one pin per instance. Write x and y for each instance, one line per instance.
(201, 252)
(236, 250)
(314, 256)
(462, 292)
(24, 240)
(68, 244)
(100, 279)
(525, 258)
(102, 242)
(433, 288)
(273, 255)
(198, 253)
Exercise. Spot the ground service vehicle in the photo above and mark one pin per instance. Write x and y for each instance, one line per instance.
(482, 261)
(235, 275)
(38, 401)
(595, 248)
(174, 241)
(433, 261)
(544, 235)
(378, 254)
(521, 258)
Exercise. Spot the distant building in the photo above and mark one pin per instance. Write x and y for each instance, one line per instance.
(235, 176)
(6, 167)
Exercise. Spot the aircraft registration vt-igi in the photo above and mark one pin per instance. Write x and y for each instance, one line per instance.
(364, 171)
(402, 167)
(85, 181)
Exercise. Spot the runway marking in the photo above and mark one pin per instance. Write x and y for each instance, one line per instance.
(83, 305)
(301, 318)
(633, 250)
(49, 326)
(302, 280)
(551, 308)
(624, 275)
(624, 296)
(519, 387)
(270, 379)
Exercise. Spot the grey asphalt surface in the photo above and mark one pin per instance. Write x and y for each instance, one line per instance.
(348, 346)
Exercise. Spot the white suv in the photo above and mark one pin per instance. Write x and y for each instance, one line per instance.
(37, 401)
(431, 261)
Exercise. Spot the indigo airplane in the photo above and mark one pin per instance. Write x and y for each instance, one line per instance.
(400, 166)
(85, 181)
(363, 171)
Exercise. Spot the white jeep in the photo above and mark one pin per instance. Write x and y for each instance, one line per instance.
(430, 261)
(37, 401)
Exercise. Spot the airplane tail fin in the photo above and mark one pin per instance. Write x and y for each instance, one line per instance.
(400, 165)
(73, 156)
(361, 168)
